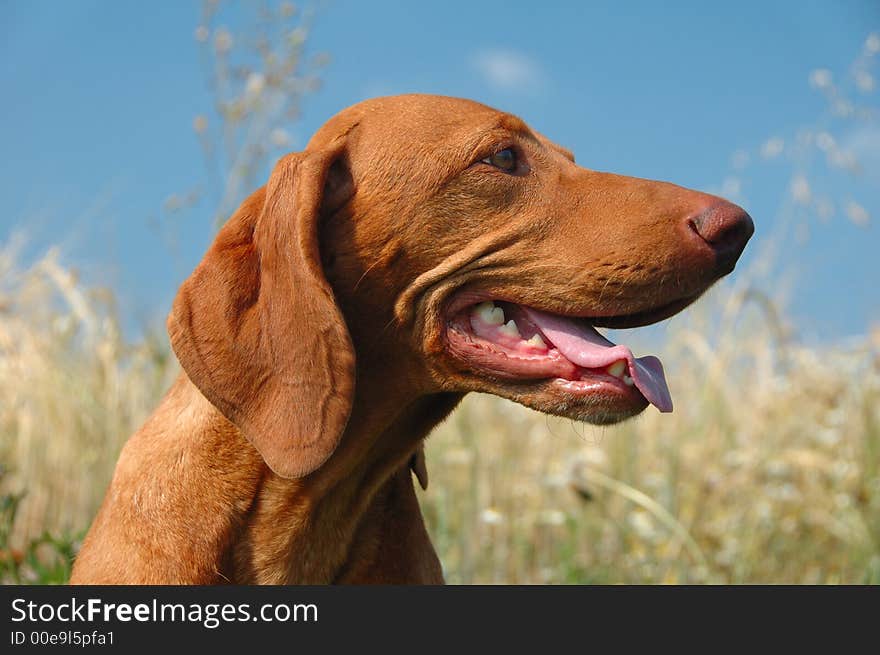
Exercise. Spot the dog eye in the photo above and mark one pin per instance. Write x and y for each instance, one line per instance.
(503, 159)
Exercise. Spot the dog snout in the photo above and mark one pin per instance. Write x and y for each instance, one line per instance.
(725, 228)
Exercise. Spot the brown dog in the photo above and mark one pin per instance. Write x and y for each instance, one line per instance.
(419, 248)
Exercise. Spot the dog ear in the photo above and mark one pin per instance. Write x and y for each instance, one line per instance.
(257, 329)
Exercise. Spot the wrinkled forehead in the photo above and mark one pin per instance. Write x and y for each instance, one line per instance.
(446, 124)
(403, 130)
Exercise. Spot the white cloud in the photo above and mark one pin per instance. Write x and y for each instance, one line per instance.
(508, 70)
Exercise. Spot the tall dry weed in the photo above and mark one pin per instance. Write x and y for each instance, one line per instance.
(767, 471)
(72, 390)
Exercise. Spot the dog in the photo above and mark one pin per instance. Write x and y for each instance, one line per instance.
(419, 247)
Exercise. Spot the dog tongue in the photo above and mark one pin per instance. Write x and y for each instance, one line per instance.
(582, 345)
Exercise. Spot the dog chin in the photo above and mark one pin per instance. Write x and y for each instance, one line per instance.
(549, 397)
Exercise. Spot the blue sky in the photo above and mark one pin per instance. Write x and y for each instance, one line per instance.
(99, 101)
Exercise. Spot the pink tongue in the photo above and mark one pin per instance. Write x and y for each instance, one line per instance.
(582, 345)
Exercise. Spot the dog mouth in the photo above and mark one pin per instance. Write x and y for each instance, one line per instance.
(516, 343)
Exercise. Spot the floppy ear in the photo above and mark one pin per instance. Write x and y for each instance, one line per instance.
(257, 329)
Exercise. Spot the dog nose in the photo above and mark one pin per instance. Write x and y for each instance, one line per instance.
(726, 228)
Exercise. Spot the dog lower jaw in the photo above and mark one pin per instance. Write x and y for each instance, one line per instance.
(601, 405)
(600, 399)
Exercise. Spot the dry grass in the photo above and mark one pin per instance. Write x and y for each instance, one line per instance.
(72, 391)
(766, 472)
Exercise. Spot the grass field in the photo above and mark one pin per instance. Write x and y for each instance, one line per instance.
(768, 471)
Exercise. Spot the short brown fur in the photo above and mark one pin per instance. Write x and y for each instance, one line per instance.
(312, 342)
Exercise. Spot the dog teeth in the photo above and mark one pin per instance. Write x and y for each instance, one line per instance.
(509, 328)
(489, 313)
(536, 341)
(618, 370)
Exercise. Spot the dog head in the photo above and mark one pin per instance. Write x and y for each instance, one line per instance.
(454, 249)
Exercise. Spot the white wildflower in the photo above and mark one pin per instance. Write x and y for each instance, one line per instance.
(772, 148)
(222, 41)
(254, 85)
(825, 141)
(857, 214)
(865, 81)
(842, 500)
(739, 160)
(843, 159)
(820, 78)
(491, 516)
(842, 107)
(642, 524)
(594, 457)
(297, 36)
(279, 138)
(457, 456)
(824, 208)
(200, 124)
(552, 517)
(776, 468)
(800, 190)
(731, 186)
(555, 480)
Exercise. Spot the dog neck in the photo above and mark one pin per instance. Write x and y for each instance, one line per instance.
(281, 531)
(310, 530)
